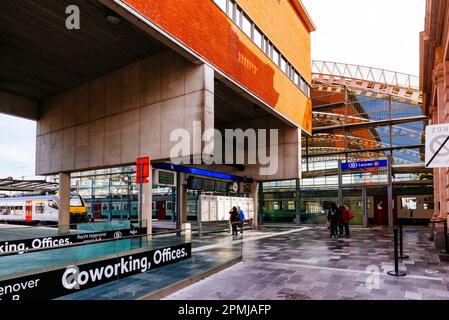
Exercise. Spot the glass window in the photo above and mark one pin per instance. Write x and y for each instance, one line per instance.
(246, 25)
(409, 203)
(428, 204)
(258, 38)
(230, 10)
(238, 16)
(17, 210)
(52, 204)
(275, 56)
(296, 78)
(221, 4)
(267, 47)
(75, 201)
(284, 65)
(40, 207)
(304, 86)
(277, 205)
(291, 205)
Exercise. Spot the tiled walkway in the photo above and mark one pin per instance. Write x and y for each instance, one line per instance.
(309, 265)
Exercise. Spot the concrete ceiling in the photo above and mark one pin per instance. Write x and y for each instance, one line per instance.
(231, 107)
(40, 57)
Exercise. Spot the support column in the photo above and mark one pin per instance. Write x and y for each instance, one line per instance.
(254, 195)
(390, 193)
(297, 202)
(261, 200)
(147, 201)
(181, 203)
(365, 212)
(340, 184)
(64, 203)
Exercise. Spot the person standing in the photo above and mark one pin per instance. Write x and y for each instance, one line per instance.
(234, 219)
(332, 218)
(241, 218)
(346, 218)
(340, 220)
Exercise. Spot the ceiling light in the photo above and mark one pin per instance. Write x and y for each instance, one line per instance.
(113, 18)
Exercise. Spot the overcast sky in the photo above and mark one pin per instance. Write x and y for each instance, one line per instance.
(380, 33)
(376, 33)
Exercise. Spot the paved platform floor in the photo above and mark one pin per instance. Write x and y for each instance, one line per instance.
(307, 264)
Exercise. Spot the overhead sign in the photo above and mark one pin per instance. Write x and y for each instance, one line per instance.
(164, 178)
(364, 164)
(437, 146)
(143, 170)
(73, 278)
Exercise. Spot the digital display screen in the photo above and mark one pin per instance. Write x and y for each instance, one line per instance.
(208, 185)
(221, 186)
(166, 178)
(195, 183)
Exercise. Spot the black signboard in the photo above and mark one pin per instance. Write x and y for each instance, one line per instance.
(73, 278)
(46, 243)
(208, 185)
(194, 183)
(221, 186)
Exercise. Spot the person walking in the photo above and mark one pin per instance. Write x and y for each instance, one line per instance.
(332, 218)
(234, 219)
(241, 218)
(346, 217)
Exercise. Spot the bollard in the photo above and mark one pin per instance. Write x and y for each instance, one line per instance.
(401, 254)
(445, 237)
(396, 272)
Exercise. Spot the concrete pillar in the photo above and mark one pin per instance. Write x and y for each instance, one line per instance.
(181, 203)
(298, 202)
(254, 195)
(64, 203)
(436, 186)
(147, 200)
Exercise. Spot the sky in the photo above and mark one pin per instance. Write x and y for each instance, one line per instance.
(376, 33)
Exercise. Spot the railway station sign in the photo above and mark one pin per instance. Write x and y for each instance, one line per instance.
(364, 164)
(437, 146)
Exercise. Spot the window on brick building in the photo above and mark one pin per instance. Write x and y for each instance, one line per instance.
(275, 56)
(258, 38)
(238, 16)
(221, 4)
(284, 65)
(230, 10)
(246, 25)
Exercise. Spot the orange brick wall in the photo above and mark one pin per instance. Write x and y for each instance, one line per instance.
(281, 23)
(204, 28)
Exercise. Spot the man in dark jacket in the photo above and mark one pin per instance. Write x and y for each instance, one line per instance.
(234, 219)
(333, 218)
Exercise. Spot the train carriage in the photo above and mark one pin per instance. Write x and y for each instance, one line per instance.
(39, 209)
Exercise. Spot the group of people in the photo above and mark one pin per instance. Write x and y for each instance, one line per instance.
(236, 218)
(338, 219)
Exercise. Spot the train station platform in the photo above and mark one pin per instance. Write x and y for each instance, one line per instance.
(307, 265)
(211, 253)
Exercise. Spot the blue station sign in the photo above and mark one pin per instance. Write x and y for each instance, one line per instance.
(364, 164)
